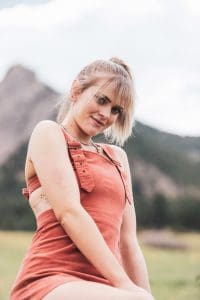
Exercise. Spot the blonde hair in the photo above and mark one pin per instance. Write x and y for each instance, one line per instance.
(120, 78)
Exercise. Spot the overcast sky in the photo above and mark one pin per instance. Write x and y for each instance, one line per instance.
(159, 40)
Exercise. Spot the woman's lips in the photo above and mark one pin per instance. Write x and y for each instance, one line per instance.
(97, 122)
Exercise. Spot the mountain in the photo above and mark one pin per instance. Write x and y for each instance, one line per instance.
(164, 163)
(23, 101)
(161, 163)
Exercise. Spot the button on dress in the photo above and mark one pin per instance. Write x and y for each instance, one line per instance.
(52, 258)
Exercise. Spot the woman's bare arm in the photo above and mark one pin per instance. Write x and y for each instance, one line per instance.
(132, 257)
(48, 152)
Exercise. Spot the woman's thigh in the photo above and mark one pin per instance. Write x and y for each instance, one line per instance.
(87, 290)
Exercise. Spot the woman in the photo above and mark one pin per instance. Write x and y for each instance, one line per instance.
(80, 192)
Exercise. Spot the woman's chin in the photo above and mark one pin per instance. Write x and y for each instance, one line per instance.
(94, 131)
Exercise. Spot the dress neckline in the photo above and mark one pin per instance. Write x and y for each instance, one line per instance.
(72, 139)
(105, 156)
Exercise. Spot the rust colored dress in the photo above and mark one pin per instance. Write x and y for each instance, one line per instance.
(53, 259)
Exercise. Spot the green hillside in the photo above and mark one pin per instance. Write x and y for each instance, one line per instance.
(168, 152)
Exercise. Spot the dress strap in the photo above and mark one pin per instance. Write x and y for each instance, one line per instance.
(33, 183)
(113, 157)
(25, 192)
(79, 163)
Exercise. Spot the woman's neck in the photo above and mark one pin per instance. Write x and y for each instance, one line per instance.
(75, 131)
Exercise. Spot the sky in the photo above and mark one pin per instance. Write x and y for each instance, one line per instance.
(158, 39)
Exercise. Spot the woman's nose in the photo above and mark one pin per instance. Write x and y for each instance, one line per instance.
(105, 112)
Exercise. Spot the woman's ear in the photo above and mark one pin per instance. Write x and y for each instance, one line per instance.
(74, 91)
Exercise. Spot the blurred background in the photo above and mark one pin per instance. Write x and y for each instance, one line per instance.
(44, 44)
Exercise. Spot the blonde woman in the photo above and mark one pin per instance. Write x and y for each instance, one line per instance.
(85, 245)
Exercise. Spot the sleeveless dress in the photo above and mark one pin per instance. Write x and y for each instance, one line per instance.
(53, 259)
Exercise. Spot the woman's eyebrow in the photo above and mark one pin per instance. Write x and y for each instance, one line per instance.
(106, 97)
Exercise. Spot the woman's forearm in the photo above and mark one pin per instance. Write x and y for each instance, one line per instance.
(84, 232)
(134, 265)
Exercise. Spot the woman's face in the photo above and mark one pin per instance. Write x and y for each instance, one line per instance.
(94, 110)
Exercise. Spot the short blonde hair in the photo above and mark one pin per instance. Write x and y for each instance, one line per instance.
(120, 79)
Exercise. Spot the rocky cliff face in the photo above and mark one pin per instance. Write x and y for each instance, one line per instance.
(23, 102)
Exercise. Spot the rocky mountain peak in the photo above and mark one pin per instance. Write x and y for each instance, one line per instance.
(24, 102)
(16, 78)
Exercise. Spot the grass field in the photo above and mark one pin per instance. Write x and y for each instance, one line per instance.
(174, 274)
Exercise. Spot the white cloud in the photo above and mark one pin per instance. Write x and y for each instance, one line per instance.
(192, 6)
(44, 16)
(129, 10)
(165, 101)
(157, 39)
(66, 12)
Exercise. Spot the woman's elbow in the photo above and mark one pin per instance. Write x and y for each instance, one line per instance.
(65, 214)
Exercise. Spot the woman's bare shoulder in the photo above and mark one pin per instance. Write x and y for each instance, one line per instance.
(47, 129)
(46, 134)
(45, 125)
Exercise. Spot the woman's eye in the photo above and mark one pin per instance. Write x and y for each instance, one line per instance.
(116, 110)
(101, 100)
